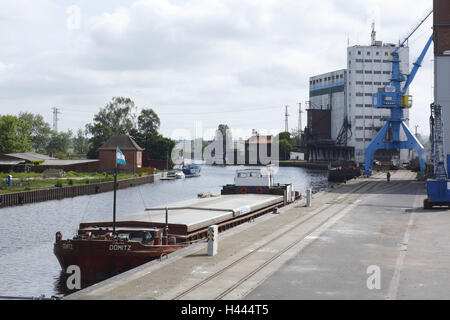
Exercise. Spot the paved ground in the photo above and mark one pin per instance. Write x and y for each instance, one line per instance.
(368, 239)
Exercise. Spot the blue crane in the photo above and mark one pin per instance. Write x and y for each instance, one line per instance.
(395, 98)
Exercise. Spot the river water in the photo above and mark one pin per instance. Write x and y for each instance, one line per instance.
(27, 264)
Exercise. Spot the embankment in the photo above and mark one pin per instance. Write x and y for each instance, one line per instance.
(20, 198)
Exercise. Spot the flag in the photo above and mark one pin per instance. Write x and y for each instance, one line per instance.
(120, 158)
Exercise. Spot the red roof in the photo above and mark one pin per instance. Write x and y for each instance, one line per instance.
(124, 142)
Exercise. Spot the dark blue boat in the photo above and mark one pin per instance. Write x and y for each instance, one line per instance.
(192, 170)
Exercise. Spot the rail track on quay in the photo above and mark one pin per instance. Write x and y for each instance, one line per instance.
(349, 198)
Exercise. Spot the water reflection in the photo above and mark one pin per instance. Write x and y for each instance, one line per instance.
(27, 264)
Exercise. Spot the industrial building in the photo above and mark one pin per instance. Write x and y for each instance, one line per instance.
(326, 133)
(369, 69)
(341, 120)
(442, 69)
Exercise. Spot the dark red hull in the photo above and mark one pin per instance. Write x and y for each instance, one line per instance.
(102, 259)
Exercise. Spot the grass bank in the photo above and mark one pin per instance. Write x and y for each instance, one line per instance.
(35, 181)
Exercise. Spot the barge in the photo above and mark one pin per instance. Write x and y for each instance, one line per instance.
(104, 249)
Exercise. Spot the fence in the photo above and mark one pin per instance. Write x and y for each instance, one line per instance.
(19, 198)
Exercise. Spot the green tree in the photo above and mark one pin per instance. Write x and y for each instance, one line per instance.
(285, 145)
(147, 129)
(40, 130)
(159, 148)
(223, 128)
(116, 118)
(59, 142)
(81, 142)
(285, 136)
(15, 135)
(285, 149)
(225, 131)
(148, 123)
(146, 135)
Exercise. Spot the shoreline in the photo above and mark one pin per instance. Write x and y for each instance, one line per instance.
(41, 195)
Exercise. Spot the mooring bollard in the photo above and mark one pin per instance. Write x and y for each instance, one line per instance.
(308, 198)
(213, 240)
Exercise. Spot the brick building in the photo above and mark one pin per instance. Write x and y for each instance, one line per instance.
(129, 147)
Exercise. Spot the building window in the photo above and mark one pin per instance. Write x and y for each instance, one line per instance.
(377, 83)
(359, 105)
(359, 128)
(386, 72)
(368, 94)
(377, 61)
(386, 61)
(369, 83)
(368, 53)
(377, 72)
(359, 82)
(359, 53)
(368, 105)
(359, 60)
(359, 71)
(368, 72)
(359, 94)
(368, 60)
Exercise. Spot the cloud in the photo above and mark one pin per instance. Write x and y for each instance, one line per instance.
(191, 57)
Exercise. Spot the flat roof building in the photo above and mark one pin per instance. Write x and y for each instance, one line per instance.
(369, 68)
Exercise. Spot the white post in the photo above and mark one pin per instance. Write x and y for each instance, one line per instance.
(213, 240)
(308, 197)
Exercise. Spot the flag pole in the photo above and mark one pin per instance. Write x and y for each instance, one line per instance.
(115, 192)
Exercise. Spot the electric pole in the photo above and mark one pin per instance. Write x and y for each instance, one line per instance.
(300, 127)
(55, 118)
(286, 121)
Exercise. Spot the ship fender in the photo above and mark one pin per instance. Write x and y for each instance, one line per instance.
(243, 190)
(259, 190)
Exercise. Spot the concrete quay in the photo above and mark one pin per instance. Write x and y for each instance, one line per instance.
(367, 239)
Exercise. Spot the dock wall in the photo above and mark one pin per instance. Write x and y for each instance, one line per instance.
(307, 165)
(20, 198)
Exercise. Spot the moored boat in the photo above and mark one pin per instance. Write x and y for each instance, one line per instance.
(104, 249)
(192, 170)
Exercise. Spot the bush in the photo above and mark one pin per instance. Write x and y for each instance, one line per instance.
(58, 184)
(70, 182)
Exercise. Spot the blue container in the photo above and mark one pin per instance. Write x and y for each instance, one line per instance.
(438, 191)
(10, 180)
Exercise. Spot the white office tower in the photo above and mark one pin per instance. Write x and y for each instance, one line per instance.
(369, 68)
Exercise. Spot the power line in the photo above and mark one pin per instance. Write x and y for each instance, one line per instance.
(55, 118)
(300, 118)
(239, 110)
(286, 121)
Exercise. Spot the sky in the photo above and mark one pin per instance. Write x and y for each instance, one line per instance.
(197, 63)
